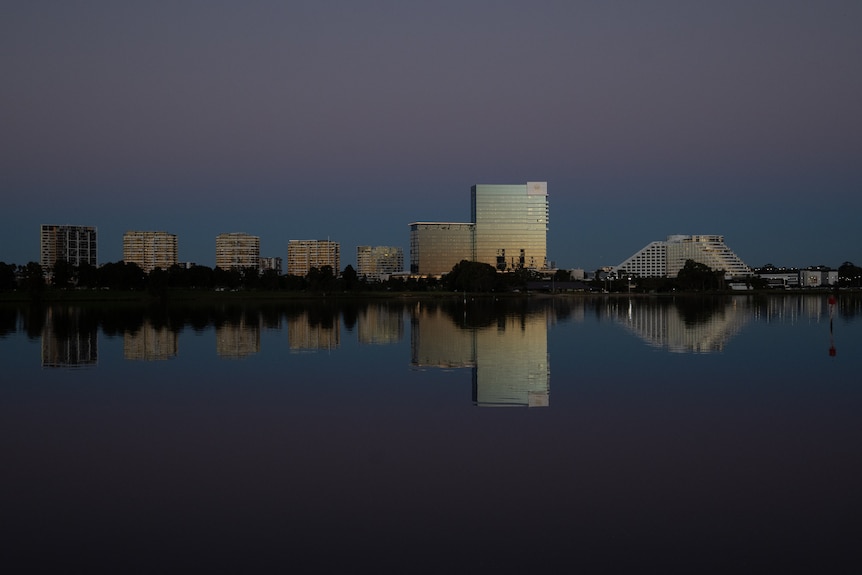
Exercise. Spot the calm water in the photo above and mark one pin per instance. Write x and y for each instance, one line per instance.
(511, 436)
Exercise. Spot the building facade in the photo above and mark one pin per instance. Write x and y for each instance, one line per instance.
(511, 225)
(435, 247)
(74, 244)
(237, 251)
(302, 255)
(667, 258)
(271, 264)
(379, 262)
(150, 250)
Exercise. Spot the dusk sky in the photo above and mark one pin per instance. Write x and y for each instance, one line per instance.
(349, 120)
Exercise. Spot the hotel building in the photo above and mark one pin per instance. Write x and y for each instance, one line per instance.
(302, 255)
(237, 251)
(379, 262)
(511, 225)
(667, 258)
(73, 244)
(150, 250)
(435, 247)
(508, 230)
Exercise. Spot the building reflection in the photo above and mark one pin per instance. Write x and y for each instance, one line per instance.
(68, 339)
(377, 324)
(239, 337)
(309, 331)
(150, 343)
(684, 325)
(508, 355)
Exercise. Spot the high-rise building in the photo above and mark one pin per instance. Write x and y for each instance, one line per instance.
(511, 225)
(508, 230)
(435, 247)
(379, 262)
(237, 250)
(667, 258)
(302, 255)
(150, 250)
(74, 244)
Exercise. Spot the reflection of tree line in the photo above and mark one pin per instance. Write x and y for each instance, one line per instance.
(150, 331)
(379, 322)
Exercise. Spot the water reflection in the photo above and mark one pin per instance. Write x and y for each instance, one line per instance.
(379, 324)
(312, 330)
(504, 342)
(684, 325)
(238, 338)
(150, 343)
(508, 353)
(69, 339)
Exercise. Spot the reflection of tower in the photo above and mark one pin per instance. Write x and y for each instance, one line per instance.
(377, 324)
(708, 330)
(305, 333)
(509, 359)
(512, 367)
(67, 341)
(437, 342)
(238, 339)
(150, 343)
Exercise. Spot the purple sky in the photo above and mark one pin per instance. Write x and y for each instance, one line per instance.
(349, 120)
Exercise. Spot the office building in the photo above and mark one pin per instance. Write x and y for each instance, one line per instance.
(302, 255)
(150, 250)
(379, 262)
(237, 251)
(511, 225)
(667, 258)
(435, 247)
(73, 244)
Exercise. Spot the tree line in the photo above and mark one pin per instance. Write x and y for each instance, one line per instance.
(466, 276)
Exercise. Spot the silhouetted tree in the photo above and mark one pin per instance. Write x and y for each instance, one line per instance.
(471, 276)
(122, 276)
(322, 279)
(349, 279)
(849, 275)
(696, 276)
(7, 276)
(88, 276)
(33, 280)
(63, 274)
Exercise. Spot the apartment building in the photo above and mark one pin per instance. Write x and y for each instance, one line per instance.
(302, 255)
(237, 251)
(150, 250)
(74, 244)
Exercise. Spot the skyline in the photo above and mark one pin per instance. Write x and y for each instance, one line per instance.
(334, 120)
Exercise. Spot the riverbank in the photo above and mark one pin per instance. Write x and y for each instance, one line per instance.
(215, 296)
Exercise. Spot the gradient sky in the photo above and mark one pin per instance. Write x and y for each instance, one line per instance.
(349, 120)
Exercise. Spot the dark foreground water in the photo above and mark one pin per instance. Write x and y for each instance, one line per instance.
(540, 435)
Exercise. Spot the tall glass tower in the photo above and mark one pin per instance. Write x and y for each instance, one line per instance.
(511, 225)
